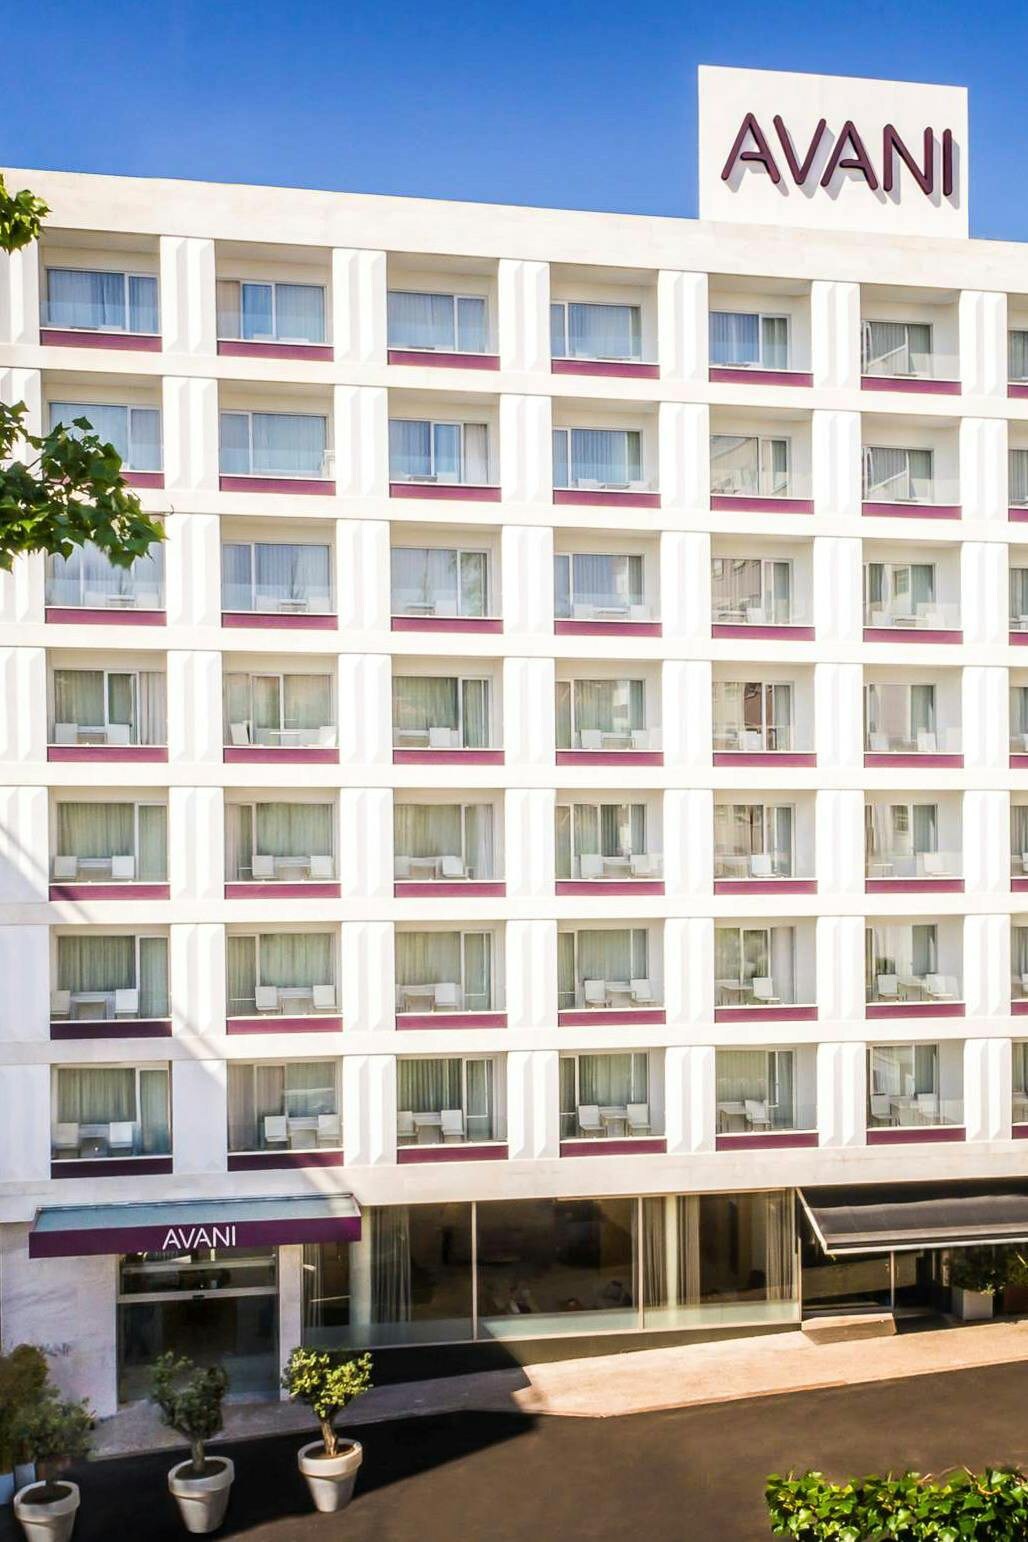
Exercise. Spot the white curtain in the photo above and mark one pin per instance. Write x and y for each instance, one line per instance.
(78, 298)
(428, 1086)
(296, 958)
(1018, 489)
(689, 1256)
(616, 955)
(289, 443)
(421, 320)
(299, 313)
(263, 575)
(421, 702)
(475, 471)
(601, 580)
(734, 463)
(95, 829)
(424, 578)
(153, 709)
(604, 331)
(293, 829)
(410, 448)
(427, 958)
(234, 443)
(607, 455)
(613, 1080)
(153, 977)
(390, 1265)
(86, 964)
(780, 1225)
(96, 1094)
(734, 338)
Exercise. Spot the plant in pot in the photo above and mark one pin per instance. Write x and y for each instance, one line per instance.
(52, 1434)
(1015, 1283)
(975, 1275)
(189, 1398)
(22, 1379)
(327, 1386)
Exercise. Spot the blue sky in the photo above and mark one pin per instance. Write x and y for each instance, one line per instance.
(559, 102)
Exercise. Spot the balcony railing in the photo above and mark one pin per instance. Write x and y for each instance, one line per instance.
(108, 1140)
(445, 1127)
(442, 996)
(759, 991)
(904, 988)
(906, 362)
(899, 863)
(911, 741)
(594, 867)
(752, 864)
(912, 1110)
(926, 615)
(903, 487)
(768, 739)
(760, 1114)
(286, 1001)
(442, 868)
(603, 995)
(618, 1121)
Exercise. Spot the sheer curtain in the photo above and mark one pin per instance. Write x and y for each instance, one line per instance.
(608, 455)
(86, 964)
(300, 313)
(1017, 355)
(234, 443)
(427, 829)
(153, 708)
(612, 955)
(734, 463)
(292, 443)
(255, 1092)
(780, 1228)
(689, 1256)
(296, 958)
(421, 320)
(153, 977)
(475, 468)
(478, 839)
(154, 1123)
(96, 1094)
(611, 706)
(612, 1080)
(152, 856)
(95, 829)
(241, 963)
(307, 701)
(291, 572)
(410, 448)
(427, 958)
(734, 338)
(604, 331)
(421, 702)
(603, 580)
(79, 697)
(478, 989)
(475, 713)
(293, 829)
(428, 1086)
(424, 578)
(238, 840)
(77, 298)
(390, 1265)
(742, 1074)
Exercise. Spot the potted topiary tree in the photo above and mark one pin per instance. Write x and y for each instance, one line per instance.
(975, 1275)
(189, 1398)
(53, 1433)
(327, 1386)
(22, 1380)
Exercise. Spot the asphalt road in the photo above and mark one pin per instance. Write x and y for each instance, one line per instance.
(681, 1476)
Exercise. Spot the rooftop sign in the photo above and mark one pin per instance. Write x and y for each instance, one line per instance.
(832, 152)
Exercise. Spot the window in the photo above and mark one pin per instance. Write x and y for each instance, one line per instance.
(751, 591)
(1019, 838)
(90, 579)
(900, 718)
(604, 1085)
(898, 593)
(439, 581)
(903, 1085)
(756, 1090)
(753, 715)
(110, 1111)
(902, 839)
(107, 706)
(443, 840)
(1017, 492)
(901, 964)
(452, 323)
(440, 712)
(134, 432)
(753, 840)
(591, 583)
(606, 835)
(898, 476)
(279, 709)
(453, 453)
(595, 331)
(1017, 355)
(896, 348)
(1019, 598)
(289, 841)
(745, 465)
(601, 714)
(755, 965)
(604, 967)
(446, 1101)
(110, 977)
(92, 301)
(597, 457)
(281, 313)
(1019, 717)
(273, 444)
(749, 341)
(266, 576)
(291, 1106)
(281, 972)
(444, 971)
(101, 842)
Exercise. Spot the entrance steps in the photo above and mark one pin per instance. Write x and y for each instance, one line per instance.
(842, 1330)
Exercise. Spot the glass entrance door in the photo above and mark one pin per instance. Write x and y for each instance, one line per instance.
(218, 1306)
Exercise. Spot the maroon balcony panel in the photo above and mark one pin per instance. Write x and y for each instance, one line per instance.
(613, 887)
(110, 1167)
(909, 386)
(613, 1145)
(769, 633)
(1019, 762)
(910, 510)
(910, 634)
(765, 885)
(1017, 388)
(280, 620)
(765, 758)
(110, 891)
(69, 615)
(465, 1151)
(914, 761)
(565, 628)
(278, 891)
(751, 503)
(1019, 1131)
(458, 888)
(447, 757)
(729, 374)
(913, 886)
(137, 342)
(123, 1028)
(610, 757)
(242, 348)
(430, 359)
(600, 499)
(285, 755)
(322, 487)
(1018, 639)
(491, 624)
(618, 369)
(261, 1161)
(454, 492)
(451, 1020)
(1018, 513)
(614, 1017)
(113, 754)
(274, 1024)
(914, 1009)
(143, 478)
(1019, 1008)
(915, 1135)
(767, 1140)
(1019, 885)
(766, 1014)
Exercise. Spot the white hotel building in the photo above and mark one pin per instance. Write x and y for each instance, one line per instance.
(551, 819)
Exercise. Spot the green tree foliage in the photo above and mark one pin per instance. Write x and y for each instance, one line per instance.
(189, 1398)
(22, 1379)
(960, 1506)
(326, 1386)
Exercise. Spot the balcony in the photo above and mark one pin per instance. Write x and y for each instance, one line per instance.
(108, 715)
(87, 308)
(603, 467)
(275, 719)
(604, 723)
(611, 1104)
(449, 1110)
(757, 848)
(905, 848)
(913, 969)
(757, 468)
(110, 1121)
(443, 720)
(598, 339)
(902, 725)
(447, 979)
(751, 346)
(284, 1115)
(765, 1099)
(271, 320)
(110, 987)
(607, 849)
(274, 452)
(1019, 1090)
(109, 851)
(279, 850)
(903, 603)
(133, 432)
(442, 589)
(756, 597)
(909, 356)
(764, 974)
(273, 585)
(445, 851)
(608, 975)
(440, 329)
(1018, 724)
(88, 589)
(452, 460)
(282, 982)
(754, 724)
(910, 1089)
(904, 482)
(602, 594)
(1017, 354)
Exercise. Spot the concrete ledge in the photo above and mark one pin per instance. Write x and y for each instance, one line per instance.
(842, 1330)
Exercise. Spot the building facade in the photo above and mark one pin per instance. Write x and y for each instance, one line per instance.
(555, 796)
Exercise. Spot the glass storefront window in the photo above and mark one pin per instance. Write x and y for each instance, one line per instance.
(719, 1259)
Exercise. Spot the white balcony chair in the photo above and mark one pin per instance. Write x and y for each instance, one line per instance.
(879, 743)
(320, 867)
(121, 1138)
(443, 739)
(262, 867)
(65, 869)
(594, 993)
(1024, 861)
(928, 1107)
(589, 1121)
(641, 865)
(325, 736)
(640, 738)
(881, 1107)
(65, 1140)
(641, 992)
(590, 865)
(123, 869)
(937, 987)
(406, 1134)
(60, 1003)
(907, 1113)
(239, 733)
(751, 739)
(401, 867)
(451, 867)
(926, 742)
(447, 996)
(66, 733)
(762, 987)
(638, 1118)
(118, 733)
(1024, 984)
(756, 1114)
(330, 1130)
(931, 864)
(126, 1003)
(266, 998)
(323, 998)
(591, 739)
(276, 1130)
(760, 865)
(452, 1126)
(888, 987)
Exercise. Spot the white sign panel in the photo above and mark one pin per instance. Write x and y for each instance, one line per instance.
(832, 152)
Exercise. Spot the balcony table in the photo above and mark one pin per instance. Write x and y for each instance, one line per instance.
(731, 1117)
(737, 988)
(429, 1128)
(615, 1120)
(102, 999)
(414, 997)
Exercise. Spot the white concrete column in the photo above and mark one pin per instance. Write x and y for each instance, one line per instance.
(696, 944)
(842, 1094)
(23, 679)
(528, 842)
(988, 1090)
(533, 1104)
(365, 709)
(188, 304)
(686, 713)
(196, 843)
(368, 977)
(197, 980)
(531, 974)
(369, 1110)
(688, 820)
(986, 966)
(189, 432)
(984, 593)
(685, 603)
(839, 716)
(366, 843)
(985, 841)
(19, 296)
(982, 327)
(690, 1094)
(835, 334)
(683, 441)
(526, 578)
(24, 385)
(837, 577)
(192, 567)
(839, 841)
(840, 968)
(24, 845)
(25, 998)
(361, 427)
(523, 322)
(835, 464)
(983, 468)
(526, 449)
(195, 717)
(682, 325)
(529, 715)
(985, 717)
(23, 590)
(359, 327)
(362, 577)
(199, 1115)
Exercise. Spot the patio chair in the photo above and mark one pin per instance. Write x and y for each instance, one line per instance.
(932, 864)
(266, 998)
(443, 739)
(126, 1003)
(641, 992)
(276, 1130)
(60, 1003)
(641, 866)
(591, 739)
(879, 743)
(926, 742)
(330, 1130)
(640, 738)
(123, 869)
(65, 1140)
(121, 1138)
(447, 996)
(590, 865)
(589, 1121)
(762, 987)
(239, 733)
(325, 736)
(594, 993)
(66, 733)
(756, 1114)
(452, 1126)
(451, 867)
(65, 869)
(751, 739)
(760, 865)
(401, 867)
(262, 867)
(323, 997)
(405, 1131)
(637, 1118)
(118, 733)
(881, 1108)
(320, 867)
(888, 987)
(937, 987)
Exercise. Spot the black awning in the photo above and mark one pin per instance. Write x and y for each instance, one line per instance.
(879, 1218)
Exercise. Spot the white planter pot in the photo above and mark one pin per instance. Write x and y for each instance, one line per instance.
(47, 1523)
(972, 1305)
(330, 1478)
(202, 1502)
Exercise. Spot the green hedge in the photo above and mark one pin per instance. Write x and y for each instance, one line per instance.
(960, 1506)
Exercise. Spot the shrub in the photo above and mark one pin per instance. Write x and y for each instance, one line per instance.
(189, 1398)
(987, 1507)
(326, 1386)
(979, 1269)
(55, 1433)
(22, 1379)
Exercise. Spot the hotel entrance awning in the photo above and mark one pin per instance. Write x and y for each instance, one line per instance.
(882, 1218)
(75, 1230)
